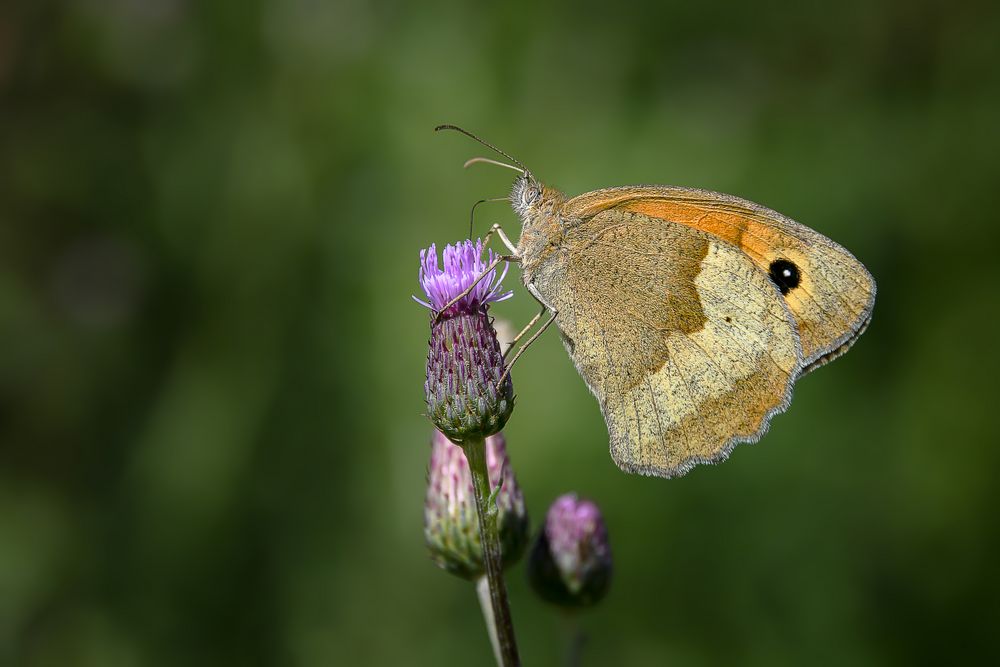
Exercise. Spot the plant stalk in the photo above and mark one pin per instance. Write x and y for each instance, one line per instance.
(576, 638)
(486, 604)
(489, 537)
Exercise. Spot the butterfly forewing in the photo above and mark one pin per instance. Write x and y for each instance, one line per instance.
(687, 345)
(829, 292)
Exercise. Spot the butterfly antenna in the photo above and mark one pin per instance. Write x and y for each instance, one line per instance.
(484, 143)
(487, 160)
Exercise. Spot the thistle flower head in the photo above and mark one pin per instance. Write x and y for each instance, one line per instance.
(570, 561)
(463, 265)
(465, 396)
(451, 525)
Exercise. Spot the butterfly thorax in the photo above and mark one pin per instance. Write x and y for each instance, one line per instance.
(542, 226)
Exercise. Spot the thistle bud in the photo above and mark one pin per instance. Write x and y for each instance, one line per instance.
(570, 561)
(465, 396)
(451, 526)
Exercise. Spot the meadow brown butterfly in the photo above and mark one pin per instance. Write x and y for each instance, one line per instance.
(688, 313)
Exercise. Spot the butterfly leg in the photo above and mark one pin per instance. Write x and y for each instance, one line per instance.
(503, 237)
(526, 329)
(534, 337)
(467, 290)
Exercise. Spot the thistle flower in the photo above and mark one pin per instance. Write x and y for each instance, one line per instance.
(451, 526)
(465, 398)
(463, 263)
(570, 561)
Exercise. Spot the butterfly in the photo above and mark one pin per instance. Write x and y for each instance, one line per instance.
(689, 314)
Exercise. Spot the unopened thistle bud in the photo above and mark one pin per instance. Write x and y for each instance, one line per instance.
(570, 561)
(465, 397)
(451, 526)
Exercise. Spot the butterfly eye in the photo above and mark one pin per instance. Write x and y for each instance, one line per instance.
(784, 274)
(532, 193)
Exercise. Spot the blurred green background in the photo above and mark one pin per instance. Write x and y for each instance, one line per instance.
(211, 442)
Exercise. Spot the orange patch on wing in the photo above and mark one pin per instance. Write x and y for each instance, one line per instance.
(742, 231)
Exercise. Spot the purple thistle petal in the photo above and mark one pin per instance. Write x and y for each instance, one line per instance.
(463, 264)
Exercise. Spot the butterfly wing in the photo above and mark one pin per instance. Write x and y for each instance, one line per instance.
(832, 294)
(687, 345)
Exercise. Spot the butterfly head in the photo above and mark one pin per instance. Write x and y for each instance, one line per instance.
(526, 195)
(531, 199)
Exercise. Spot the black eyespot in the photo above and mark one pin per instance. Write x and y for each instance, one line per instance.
(729, 319)
(785, 275)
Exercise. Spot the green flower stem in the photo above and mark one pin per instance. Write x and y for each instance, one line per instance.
(489, 537)
(576, 638)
